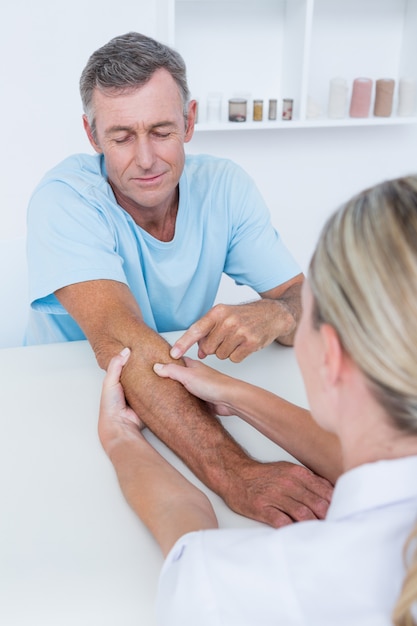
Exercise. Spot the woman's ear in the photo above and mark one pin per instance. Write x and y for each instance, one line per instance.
(333, 354)
(90, 136)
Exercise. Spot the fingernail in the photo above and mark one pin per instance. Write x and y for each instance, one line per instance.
(125, 352)
(175, 353)
(157, 367)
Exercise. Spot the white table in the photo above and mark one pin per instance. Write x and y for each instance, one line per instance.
(71, 550)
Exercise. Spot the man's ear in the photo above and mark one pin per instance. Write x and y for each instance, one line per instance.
(90, 136)
(191, 119)
(333, 354)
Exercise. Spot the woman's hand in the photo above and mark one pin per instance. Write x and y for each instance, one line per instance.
(116, 419)
(202, 381)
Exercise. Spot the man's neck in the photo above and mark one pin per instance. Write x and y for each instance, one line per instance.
(157, 221)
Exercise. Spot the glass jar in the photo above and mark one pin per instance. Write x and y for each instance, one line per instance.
(214, 107)
(237, 109)
(272, 110)
(258, 110)
(287, 104)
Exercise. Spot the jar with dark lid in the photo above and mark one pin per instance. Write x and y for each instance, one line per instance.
(237, 110)
(272, 110)
(258, 110)
(287, 105)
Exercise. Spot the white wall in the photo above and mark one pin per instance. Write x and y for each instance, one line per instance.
(303, 173)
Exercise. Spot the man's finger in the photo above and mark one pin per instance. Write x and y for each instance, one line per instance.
(288, 512)
(276, 518)
(191, 336)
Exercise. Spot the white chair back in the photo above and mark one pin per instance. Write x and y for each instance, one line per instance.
(14, 296)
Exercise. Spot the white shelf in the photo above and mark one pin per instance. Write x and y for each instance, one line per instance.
(280, 49)
(316, 123)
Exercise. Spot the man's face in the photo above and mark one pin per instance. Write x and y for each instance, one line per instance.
(141, 134)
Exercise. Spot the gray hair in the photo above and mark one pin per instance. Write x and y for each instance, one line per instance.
(126, 63)
(363, 276)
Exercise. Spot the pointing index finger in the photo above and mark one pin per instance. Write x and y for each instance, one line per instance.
(189, 338)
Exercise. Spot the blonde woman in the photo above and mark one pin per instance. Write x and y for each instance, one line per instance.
(356, 347)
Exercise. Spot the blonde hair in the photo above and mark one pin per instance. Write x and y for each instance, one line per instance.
(402, 612)
(363, 276)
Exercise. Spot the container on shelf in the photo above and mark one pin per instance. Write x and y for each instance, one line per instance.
(338, 92)
(214, 107)
(258, 110)
(287, 106)
(272, 109)
(361, 97)
(407, 97)
(238, 109)
(384, 94)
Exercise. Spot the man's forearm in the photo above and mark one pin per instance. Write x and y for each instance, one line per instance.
(184, 423)
(111, 320)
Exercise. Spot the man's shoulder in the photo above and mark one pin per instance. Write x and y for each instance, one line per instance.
(76, 170)
(205, 169)
(207, 163)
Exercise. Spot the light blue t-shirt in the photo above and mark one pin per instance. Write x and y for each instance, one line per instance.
(77, 232)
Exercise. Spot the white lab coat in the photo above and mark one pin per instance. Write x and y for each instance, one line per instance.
(345, 570)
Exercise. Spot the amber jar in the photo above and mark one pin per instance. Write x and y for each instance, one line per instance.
(258, 110)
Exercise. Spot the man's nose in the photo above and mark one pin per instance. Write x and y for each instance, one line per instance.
(144, 153)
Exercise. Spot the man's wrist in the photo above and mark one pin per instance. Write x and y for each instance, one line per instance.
(226, 476)
(285, 321)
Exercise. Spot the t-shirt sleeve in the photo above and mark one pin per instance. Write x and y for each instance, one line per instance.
(70, 240)
(257, 255)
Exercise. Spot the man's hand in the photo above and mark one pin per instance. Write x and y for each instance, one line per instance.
(116, 419)
(236, 330)
(280, 493)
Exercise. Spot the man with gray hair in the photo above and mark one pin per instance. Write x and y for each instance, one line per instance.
(133, 241)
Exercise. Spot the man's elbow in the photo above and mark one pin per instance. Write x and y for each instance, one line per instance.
(106, 349)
